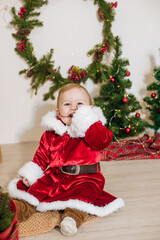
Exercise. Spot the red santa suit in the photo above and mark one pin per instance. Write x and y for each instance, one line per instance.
(62, 145)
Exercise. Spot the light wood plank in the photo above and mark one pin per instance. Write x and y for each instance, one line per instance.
(136, 181)
(0, 155)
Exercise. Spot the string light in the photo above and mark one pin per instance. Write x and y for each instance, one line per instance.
(142, 144)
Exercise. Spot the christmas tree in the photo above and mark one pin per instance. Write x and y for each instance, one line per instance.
(119, 107)
(153, 101)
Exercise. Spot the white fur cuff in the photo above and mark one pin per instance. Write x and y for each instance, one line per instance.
(31, 171)
(84, 117)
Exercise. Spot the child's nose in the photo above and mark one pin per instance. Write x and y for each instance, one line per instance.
(74, 107)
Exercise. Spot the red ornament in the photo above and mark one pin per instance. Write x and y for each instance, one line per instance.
(112, 79)
(137, 115)
(128, 73)
(125, 100)
(153, 95)
(127, 130)
(159, 110)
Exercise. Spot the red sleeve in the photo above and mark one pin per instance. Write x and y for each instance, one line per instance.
(98, 136)
(42, 155)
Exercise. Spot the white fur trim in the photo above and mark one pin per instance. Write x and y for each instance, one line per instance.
(61, 205)
(31, 171)
(19, 194)
(51, 123)
(158, 130)
(102, 118)
(83, 118)
(83, 206)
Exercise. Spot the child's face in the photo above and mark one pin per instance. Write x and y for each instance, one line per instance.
(69, 102)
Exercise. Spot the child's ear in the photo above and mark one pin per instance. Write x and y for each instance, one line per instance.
(58, 113)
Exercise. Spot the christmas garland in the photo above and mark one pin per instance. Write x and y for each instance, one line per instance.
(43, 70)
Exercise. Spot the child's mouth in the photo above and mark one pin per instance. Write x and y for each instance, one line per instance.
(71, 115)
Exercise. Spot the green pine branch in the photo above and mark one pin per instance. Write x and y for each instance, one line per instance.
(6, 216)
(119, 106)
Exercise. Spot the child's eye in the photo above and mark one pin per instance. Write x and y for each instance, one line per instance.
(66, 104)
(80, 103)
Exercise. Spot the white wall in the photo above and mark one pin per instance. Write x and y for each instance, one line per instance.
(71, 28)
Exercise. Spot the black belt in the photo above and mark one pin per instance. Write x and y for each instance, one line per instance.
(80, 169)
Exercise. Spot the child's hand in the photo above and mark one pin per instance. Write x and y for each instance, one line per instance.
(25, 181)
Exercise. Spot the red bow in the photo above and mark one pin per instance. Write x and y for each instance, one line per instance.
(104, 48)
(113, 4)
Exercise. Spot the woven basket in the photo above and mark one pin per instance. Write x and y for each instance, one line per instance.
(43, 222)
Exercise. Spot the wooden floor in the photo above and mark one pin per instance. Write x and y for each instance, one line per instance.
(136, 181)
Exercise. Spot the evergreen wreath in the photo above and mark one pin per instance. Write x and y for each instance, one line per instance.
(43, 70)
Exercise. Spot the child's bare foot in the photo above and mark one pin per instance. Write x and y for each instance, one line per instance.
(68, 226)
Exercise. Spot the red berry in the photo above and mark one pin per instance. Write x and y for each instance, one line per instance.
(82, 74)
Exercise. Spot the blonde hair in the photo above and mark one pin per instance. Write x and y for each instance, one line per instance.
(70, 86)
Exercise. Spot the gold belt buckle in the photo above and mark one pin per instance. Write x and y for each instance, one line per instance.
(77, 170)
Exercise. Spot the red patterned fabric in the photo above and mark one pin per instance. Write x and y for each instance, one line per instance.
(142, 148)
(14, 234)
